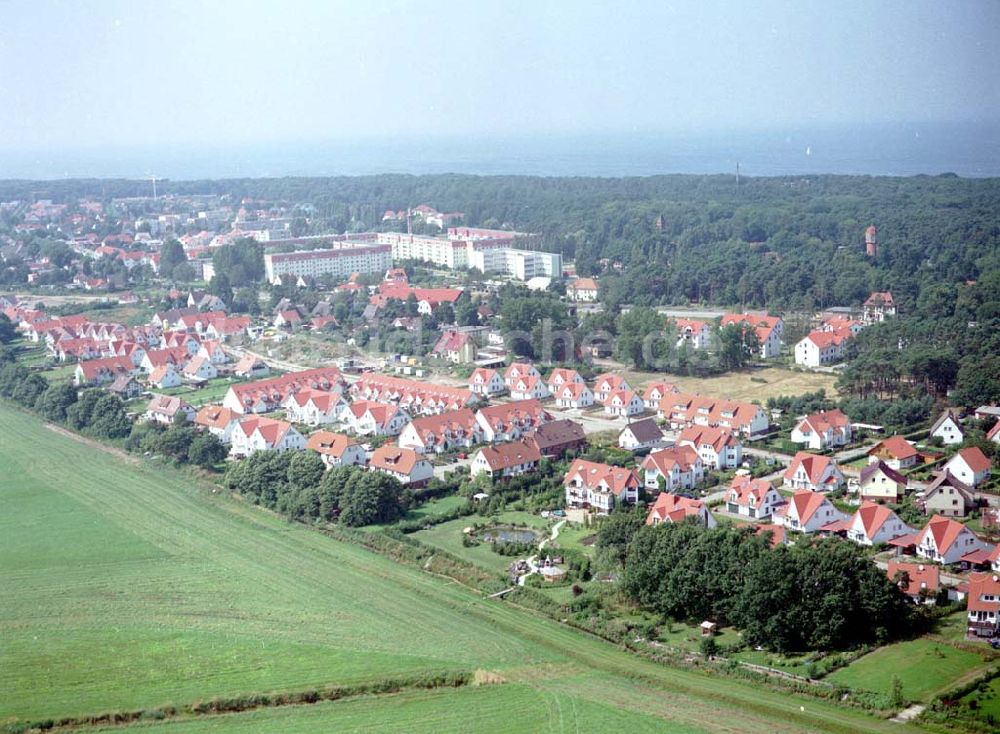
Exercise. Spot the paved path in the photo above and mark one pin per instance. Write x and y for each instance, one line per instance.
(908, 713)
(441, 470)
(533, 560)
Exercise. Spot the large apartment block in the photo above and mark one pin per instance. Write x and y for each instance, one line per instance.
(487, 254)
(339, 262)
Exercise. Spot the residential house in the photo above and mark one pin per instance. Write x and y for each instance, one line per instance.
(505, 460)
(641, 436)
(682, 409)
(694, 333)
(994, 433)
(455, 346)
(668, 470)
(983, 606)
(102, 371)
(199, 368)
(945, 541)
(896, 452)
(878, 307)
(948, 429)
(368, 418)
(262, 396)
(413, 396)
(807, 512)
(405, 465)
(672, 508)
(517, 370)
(717, 447)
(823, 430)
(919, 581)
(250, 366)
(875, 524)
(260, 433)
(970, 465)
(528, 388)
(164, 377)
(486, 382)
(573, 395)
(753, 498)
(438, 433)
(561, 376)
(212, 349)
(949, 496)
(288, 319)
(314, 407)
(336, 449)
(510, 421)
(655, 392)
(583, 290)
(554, 439)
(218, 421)
(168, 409)
(881, 483)
(814, 473)
(769, 331)
(623, 404)
(125, 386)
(600, 487)
(608, 383)
(820, 348)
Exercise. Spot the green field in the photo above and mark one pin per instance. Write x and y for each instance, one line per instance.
(923, 666)
(447, 536)
(127, 586)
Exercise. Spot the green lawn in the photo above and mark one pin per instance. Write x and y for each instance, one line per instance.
(688, 637)
(924, 667)
(987, 702)
(448, 537)
(126, 585)
(213, 391)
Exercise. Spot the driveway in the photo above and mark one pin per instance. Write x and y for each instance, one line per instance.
(440, 471)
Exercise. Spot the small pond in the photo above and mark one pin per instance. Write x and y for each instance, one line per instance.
(507, 534)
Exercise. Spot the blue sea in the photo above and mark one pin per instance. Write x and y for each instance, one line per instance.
(966, 149)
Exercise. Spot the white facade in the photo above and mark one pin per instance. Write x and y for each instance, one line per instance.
(339, 262)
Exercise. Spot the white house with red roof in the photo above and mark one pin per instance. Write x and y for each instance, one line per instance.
(336, 449)
(199, 368)
(510, 421)
(623, 404)
(528, 387)
(259, 433)
(808, 512)
(101, 371)
(874, 524)
(561, 376)
(684, 409)
(694, 333)
(994, 433)
(609, 383)
(486, 382)
(168, 409)
(218, 421)
(672, 508)
(945, 541)
(812, 472)
(455, 346)
(654, 393)
(983, 606)
(769, 330)
(970, 465)
(878, 307)
(600, 487)
(314, 407)
(820, 348)
(717, 447)
(671, 469)
(919, 581)
(405, 465)
(368, 418)
(823, 430)
(438, 433)
(212, 349)
(517, 370)
(583, 290)
(265, 395)
(754, 498)
(165, 376)
(573, 395)
(896, 452)
(505, 460)
(250, 366)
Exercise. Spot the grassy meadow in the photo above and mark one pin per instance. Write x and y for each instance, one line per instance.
(128, 585)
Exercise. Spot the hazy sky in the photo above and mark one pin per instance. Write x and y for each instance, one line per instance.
(80, 74)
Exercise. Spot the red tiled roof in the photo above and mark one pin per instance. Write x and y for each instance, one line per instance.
(920, 575)
(975, 458)
(673, 508)
(505, 455)
(329, 443)
(815, 466)
(617, 478)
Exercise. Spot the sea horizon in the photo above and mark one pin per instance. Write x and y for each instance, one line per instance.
(905, 149)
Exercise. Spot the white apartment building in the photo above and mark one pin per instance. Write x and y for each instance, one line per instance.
(339, 262)
(485, 254)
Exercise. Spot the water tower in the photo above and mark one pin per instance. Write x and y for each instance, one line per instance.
(871, 241)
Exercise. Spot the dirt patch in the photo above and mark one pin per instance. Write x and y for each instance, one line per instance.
(486, 678)
(116, 452)
(589, 540)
